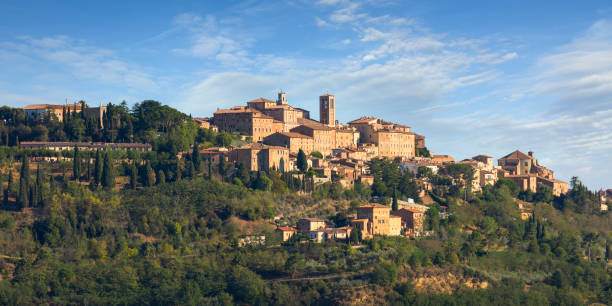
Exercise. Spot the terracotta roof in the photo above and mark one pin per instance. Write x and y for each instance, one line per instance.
(313, 124)
(259, 146)
(326, 95)
(374, 205)
(54, 106)
(516, 155)
(416, 211)
(261, 100)
(363, 120)
(287, 229)
(482, 156)
(293, 135)
(313, 219)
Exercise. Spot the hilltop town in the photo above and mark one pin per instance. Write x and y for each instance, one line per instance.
(278, 136)
(261, 202)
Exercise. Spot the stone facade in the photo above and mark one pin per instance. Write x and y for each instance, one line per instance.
(260, 157)
(393, 140)
(380, 222)
(293, 141)
(524, 170)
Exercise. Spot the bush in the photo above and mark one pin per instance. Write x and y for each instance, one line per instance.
(385, 273)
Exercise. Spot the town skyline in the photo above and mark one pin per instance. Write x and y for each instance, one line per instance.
(495, 90)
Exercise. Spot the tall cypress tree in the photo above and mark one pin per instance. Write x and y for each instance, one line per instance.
(195, 157)
(189, 166)
(98, 168)
(24, 182)
(179, 171)
(39, 187)
(11, 183)
(133, 176)
(108, 175)
(76, 164)
(161, 177)
(149, 178)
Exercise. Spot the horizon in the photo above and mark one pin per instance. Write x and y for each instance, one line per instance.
(528, 77)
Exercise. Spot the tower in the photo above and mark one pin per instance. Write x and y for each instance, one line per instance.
(282, 98)
(327, 109)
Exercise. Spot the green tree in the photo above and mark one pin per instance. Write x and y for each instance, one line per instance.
(195, 157)
(302, 162)
(133, 176)
(394, 205)
(76, 164)
(98, 168)
(316, 154)
(385, 273)
(24, 183)
(432, 219)
(161, 177)
(108, 173)
(149, 179)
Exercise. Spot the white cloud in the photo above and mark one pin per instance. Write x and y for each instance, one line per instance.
(83, 61)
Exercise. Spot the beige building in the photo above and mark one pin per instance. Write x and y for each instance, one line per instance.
(346, 138)
(525, 171)
(286, 232)
(308, 225)
(393, 140)
(412, 219)
(379, 220)
(66, 145)
(260, 157)
(247, 120)
(58, 110)
(323, 136)
(293, 141)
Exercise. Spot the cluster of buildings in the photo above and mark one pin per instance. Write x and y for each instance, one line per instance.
(279, 131)
(519, 167)
(525, 171)
(370, 220)
(37, 111)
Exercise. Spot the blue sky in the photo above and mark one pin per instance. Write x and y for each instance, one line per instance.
(475, 77)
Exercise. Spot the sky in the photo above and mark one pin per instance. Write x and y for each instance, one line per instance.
(474, 77)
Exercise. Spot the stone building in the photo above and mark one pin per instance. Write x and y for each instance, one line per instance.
(247, 120)
(323, 136)
(307, 225)
(525, 171)
(37, 111)
(412, 219)
(260, 157)
(293, 141)
(393, 140)
(379, 220)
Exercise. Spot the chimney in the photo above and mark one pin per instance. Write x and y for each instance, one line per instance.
(530, 154)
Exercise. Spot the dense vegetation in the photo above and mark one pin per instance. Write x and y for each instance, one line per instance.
(118, 228)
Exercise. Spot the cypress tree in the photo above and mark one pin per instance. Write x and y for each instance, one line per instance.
(161, 177)
(76, 164)
(11, 183)
(189, 166)
(108, 175)
(24, 182)
(394, 204)
(133, 176)
(149, 179)
(98, 168)
(179, 171)
(39, 187)
(302, 162)
(195, 157)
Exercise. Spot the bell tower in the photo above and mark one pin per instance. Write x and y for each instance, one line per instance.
(282, 98)
(327, 109)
